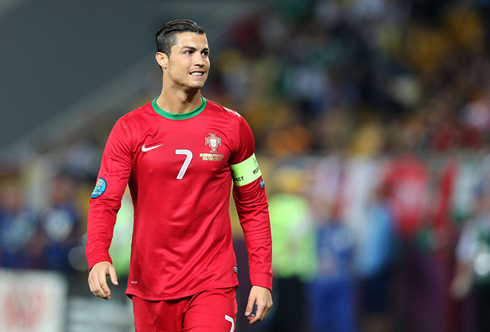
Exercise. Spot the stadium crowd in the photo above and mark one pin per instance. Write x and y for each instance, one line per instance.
(371, 120)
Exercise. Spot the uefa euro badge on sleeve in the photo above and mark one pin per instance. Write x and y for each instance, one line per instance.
(99, 189)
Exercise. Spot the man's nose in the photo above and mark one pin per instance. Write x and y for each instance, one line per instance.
(199, 61)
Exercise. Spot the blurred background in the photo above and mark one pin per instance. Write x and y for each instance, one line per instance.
(371, 120)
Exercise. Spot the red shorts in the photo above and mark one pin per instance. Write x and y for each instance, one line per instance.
(208, 311)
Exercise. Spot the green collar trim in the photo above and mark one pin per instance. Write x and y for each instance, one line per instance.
(182, 116)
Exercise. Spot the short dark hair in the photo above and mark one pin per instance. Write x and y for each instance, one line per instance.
(165, 36)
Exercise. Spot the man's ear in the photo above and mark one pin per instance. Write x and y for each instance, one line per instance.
(162, 59)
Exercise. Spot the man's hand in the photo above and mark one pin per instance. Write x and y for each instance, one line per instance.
(261, 297)
(97, 279)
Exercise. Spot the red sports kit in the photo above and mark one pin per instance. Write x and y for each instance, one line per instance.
(178, 168)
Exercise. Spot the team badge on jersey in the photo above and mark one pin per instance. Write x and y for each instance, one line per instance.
(99, 189)
(213, 142)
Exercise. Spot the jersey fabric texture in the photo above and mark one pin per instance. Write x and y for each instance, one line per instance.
(178, 171)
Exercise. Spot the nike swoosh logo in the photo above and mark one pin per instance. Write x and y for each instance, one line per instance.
(145, 149)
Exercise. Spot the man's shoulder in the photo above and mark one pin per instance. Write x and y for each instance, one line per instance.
(222, 110)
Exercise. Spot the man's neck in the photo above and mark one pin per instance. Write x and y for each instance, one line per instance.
(179, 102)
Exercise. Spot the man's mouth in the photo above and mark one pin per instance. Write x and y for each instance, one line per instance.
(197, 73)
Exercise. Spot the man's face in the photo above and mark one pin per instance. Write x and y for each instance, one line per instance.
(188, 64)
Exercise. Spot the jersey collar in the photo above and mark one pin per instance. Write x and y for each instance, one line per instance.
(182, 116)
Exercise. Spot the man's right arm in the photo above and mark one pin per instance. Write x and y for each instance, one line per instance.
(105, 202)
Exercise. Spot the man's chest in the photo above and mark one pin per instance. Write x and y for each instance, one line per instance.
(178, 153)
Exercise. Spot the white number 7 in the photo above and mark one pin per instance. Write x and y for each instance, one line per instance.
(228, 318)
(187, 161)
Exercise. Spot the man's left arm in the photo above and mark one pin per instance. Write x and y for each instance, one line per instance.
(251, 203)
(252, 209)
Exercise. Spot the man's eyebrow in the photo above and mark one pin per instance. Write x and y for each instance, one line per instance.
(193, 48)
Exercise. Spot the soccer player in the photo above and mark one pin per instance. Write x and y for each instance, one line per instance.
(180, 154)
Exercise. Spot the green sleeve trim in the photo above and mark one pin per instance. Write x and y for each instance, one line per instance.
(246, 172)
(183, 116)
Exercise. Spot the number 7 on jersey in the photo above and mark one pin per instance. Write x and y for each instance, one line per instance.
(187, 161)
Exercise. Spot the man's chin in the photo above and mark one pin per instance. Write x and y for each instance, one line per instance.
(197, 85)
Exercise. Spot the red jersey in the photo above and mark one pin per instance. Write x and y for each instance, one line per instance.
(178, 167)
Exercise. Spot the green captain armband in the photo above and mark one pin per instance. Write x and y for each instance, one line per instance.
(246, 172)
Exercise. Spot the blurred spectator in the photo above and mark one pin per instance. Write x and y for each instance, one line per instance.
(332, 300)
(473, 258)
(376, 258)
(331, 295)
(61, 225)
(294, 249)
(20, 243)
(120, 250)
(408, 179)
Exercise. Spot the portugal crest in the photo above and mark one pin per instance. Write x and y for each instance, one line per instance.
(213, 142)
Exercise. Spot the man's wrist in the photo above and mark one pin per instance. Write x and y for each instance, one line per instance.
(262, 280)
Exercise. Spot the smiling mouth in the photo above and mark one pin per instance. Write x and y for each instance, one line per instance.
(197, 74)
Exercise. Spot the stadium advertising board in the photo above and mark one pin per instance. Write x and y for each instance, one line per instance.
(32, 301)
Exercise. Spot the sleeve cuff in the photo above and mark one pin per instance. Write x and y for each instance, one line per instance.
(97, 259)
(262, 280)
